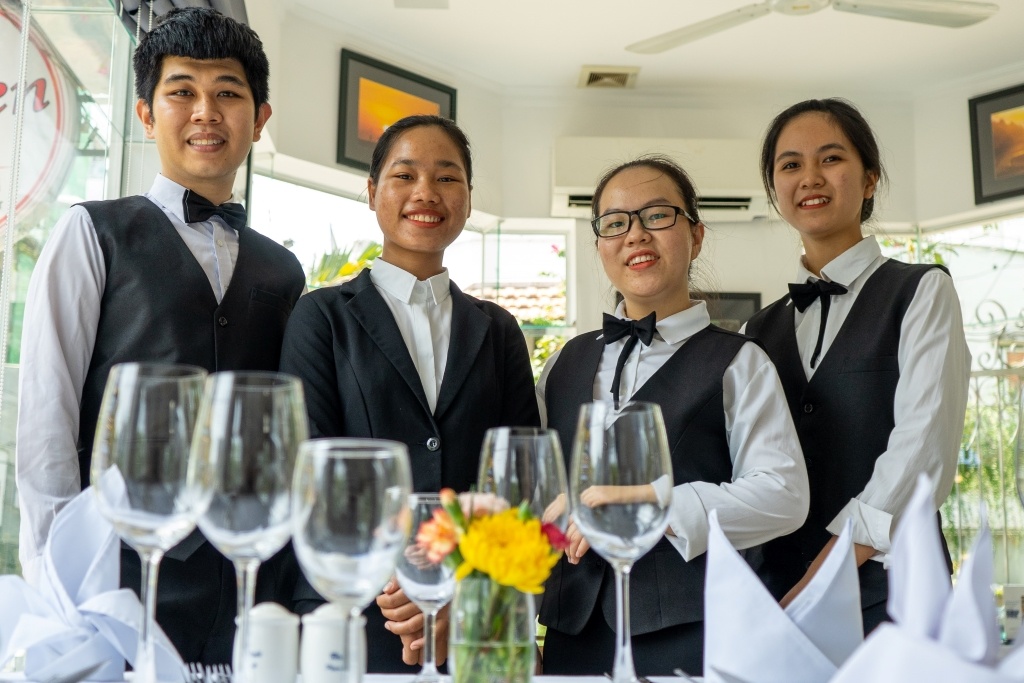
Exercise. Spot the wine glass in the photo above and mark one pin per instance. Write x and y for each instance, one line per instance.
(615, 449)
(140, 459)
(350, 517)
(428, 583)
(249, 428)
(525, 464)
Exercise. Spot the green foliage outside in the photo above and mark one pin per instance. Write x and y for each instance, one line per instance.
(342, 264)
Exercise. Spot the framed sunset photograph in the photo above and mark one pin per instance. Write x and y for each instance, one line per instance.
(373, 96)
(997, 143)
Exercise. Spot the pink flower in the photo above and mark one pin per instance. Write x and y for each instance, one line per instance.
(480, 504)
(556, 538)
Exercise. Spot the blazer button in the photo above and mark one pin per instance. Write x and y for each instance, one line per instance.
(808, 407)
(433, 443)
(222, 321)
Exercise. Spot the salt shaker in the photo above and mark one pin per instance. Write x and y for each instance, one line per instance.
(333, 646)
(273, 644)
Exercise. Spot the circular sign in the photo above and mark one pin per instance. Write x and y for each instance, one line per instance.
(46, 148)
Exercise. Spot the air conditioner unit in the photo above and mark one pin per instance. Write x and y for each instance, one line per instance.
(725, 171)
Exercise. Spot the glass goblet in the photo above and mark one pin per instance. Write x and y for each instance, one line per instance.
(249, 430)
(350, 517)
(525, 464)
(617, 453)
(139, 468)
(428, 582)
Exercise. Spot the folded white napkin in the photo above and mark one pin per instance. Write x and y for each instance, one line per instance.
(749, 638)
(940, 634)
(77, 616)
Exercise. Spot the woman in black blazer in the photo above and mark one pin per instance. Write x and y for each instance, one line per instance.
(733, 446)
(401, 353)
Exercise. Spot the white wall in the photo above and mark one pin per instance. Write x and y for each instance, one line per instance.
(925, 144)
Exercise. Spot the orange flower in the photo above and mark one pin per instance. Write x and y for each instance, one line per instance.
(438, 536)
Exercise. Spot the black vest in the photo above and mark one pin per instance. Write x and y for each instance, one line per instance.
(158, 306)
(843, 416)
(665, 590)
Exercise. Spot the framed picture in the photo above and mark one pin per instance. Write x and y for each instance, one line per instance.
(730, 310)
(373, 96)
(997, 143)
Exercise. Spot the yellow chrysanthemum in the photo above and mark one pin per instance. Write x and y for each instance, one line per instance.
(513, 552)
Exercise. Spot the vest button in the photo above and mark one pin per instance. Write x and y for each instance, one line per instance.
(222, 321)
(433, 443)
(808, 407)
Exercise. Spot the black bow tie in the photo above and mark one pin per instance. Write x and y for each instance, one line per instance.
(803, 295)
(198, 208)
(615, 329)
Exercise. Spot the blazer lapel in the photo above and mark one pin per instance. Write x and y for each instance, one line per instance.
(371, 311)
(469, 329)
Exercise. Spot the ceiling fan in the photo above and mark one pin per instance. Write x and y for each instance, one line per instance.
(949, 13)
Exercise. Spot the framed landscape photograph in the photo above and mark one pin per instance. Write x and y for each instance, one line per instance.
(997, 143)
(730, 310)
(373, 96)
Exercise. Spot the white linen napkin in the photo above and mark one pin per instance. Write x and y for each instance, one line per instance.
(749, 638)
(77, 616)
(940, 634)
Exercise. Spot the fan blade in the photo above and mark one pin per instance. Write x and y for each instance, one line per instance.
(949, 13)
(687, 34)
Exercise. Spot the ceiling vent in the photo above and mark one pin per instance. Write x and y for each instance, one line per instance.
(608, 76)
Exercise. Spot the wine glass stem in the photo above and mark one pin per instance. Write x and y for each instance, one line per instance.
(245, 577)
(623, 671)
(429, 645)
(145, 656)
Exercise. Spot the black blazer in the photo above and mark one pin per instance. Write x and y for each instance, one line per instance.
(360, 381)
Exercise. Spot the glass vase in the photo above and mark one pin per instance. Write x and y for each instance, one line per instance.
(492, 637)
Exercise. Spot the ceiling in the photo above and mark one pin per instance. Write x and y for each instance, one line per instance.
(542, 44)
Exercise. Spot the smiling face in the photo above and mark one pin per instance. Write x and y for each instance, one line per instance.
(421, 199)
(821, 184)
(204, 121)
(649, 268)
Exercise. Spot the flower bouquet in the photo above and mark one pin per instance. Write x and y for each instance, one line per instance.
(501, 556)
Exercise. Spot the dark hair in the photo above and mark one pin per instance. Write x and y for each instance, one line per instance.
(661, 163)
(848, 119)
(200, 33)
(395, 130)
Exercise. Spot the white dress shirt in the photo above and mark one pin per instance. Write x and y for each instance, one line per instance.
(423, 312)
(62, 311)
(931, 394)
(768, 495)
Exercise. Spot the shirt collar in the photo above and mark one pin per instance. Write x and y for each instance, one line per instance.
(401, 284)
(846, 267)
(680, 326)
(168, 194)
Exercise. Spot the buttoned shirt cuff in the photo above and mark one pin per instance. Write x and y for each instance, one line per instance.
(688, 521)
(871, 527)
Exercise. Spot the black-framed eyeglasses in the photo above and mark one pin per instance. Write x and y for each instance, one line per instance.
(616, 223)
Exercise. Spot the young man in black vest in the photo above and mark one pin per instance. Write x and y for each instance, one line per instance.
(172, 276)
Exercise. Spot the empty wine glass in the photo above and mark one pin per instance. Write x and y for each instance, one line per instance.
(139, 468)
(249, 429)
(428, 582)
(613, 451)
(350, 517)
(525, 464)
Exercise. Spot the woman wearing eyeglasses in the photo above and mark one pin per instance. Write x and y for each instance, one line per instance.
(734, 447)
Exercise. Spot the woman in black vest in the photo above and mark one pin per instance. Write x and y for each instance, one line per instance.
(871, 352)
(734, 448)
(401, 353)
